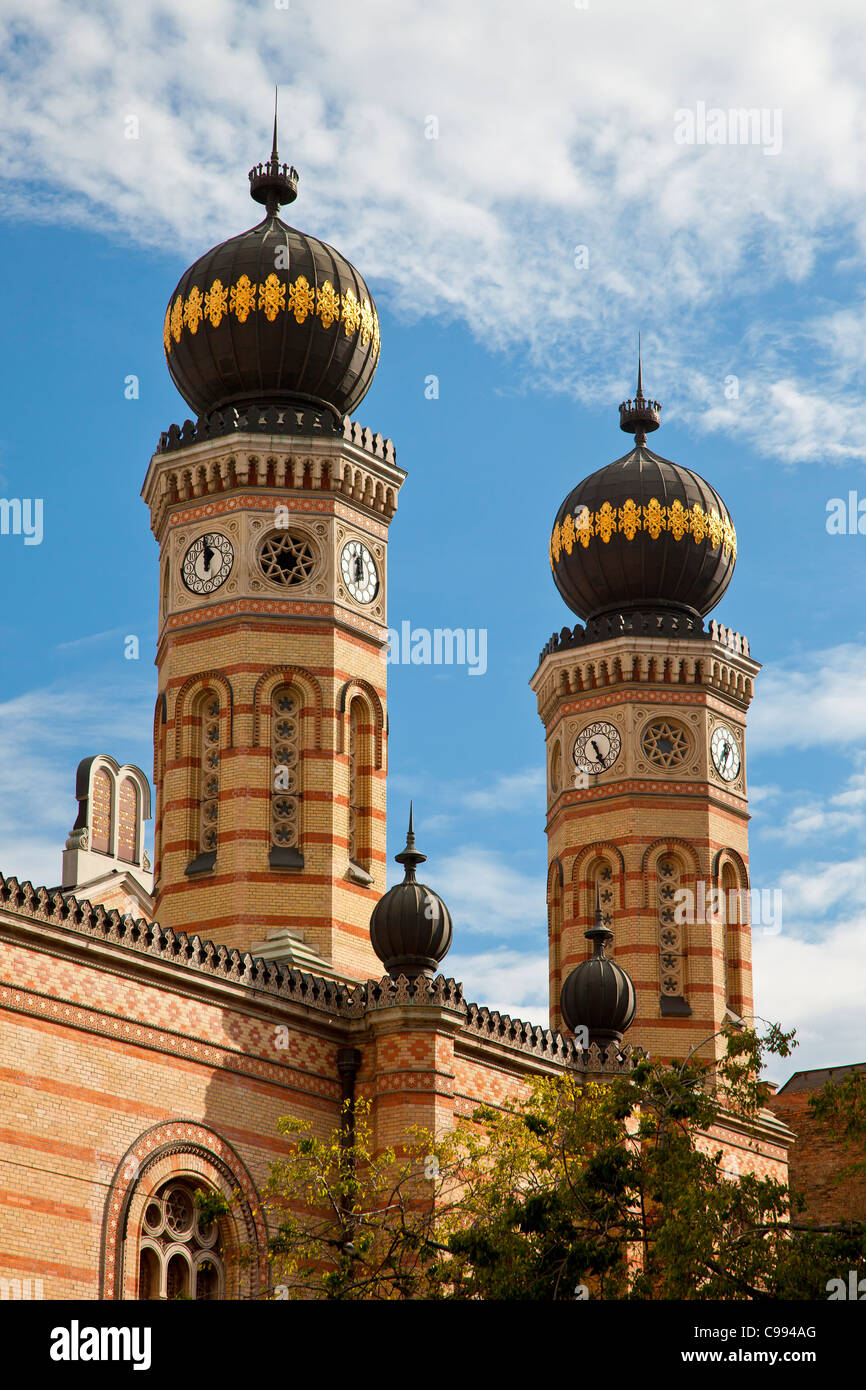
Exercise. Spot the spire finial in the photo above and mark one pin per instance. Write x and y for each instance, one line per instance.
(640, 416)
(274, 184)
(410, 856)
(599, 935)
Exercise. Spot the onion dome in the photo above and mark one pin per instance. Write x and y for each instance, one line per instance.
(598, 994)
(643, 533)
(272, 317)
(410, 926)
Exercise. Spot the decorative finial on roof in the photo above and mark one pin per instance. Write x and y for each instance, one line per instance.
(599, 935)
(410, 856)
(639, 386)
(274, 184)
(640, 416)
(410, 926)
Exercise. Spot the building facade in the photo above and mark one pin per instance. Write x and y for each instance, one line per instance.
(157, 1022)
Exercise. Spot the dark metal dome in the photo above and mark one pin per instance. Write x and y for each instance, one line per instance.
(642, 533)
(272, 317)
(598, 994)
(410, 926)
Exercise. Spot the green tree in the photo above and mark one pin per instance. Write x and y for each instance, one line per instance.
(607, 1190)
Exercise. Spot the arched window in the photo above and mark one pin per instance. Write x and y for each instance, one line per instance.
(206, 774)
(102, 811)
(733, 917)
(285, 780)
(556, 770)
(181, 1255)
(600, 888)
(673, 926)
(554, 933)
(359, 786)
(127, 821)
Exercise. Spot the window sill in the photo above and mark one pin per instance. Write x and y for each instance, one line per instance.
(202, 864)
(285, 857)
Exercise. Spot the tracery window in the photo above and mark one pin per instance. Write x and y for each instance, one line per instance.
(671, 931)
(127, 821)
(285, 778)
(359, 786)
(209, 759)
(181, 1255)
(665, 743)
(732, 917)
(102, 811)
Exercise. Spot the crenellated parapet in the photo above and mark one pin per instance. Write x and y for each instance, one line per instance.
(288, 421)
(273, 451)
(326, 997)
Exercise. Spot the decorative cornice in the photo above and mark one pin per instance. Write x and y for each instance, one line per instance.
(324, 996)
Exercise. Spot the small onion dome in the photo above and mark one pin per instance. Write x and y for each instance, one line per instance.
(642, 533)
(272, 317)
(410, 927)
(599, 994)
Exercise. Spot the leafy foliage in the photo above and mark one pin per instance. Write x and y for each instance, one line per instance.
(614, 1190)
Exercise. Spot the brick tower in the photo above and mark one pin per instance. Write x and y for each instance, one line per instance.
(271, 514)
(644, 712)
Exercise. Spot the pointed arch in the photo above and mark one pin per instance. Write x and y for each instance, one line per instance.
(310, 689)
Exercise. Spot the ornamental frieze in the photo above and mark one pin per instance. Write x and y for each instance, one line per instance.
(272, 297)
(654, 518)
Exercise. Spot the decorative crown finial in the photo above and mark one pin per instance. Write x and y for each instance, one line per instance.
(599, 935)
(274, 184)
(410, 856)
(639, 416)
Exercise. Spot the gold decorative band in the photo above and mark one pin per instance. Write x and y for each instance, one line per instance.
(653, 518)
(271, 298)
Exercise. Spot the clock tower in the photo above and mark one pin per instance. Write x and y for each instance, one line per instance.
(271, 513)
(644, 709)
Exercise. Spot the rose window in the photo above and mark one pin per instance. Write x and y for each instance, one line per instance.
(182, 1253)
(665, 743)
(287, 558)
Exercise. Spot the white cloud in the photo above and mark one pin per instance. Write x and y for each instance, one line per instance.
(514, 982)
(518, 791)
(550, 136)
(39, 733)
(816, 985)
(486, 894)
(815, 699)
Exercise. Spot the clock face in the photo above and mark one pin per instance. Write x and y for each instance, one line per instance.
(726, 754)
(360, 575)
(208, 562)
(597, 748)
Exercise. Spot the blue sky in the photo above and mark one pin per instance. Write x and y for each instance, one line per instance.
(555, 131)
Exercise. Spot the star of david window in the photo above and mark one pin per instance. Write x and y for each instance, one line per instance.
(665, 743)
(287, 558)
